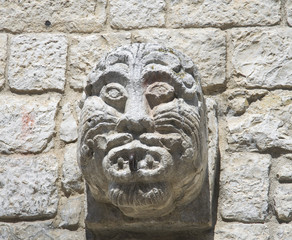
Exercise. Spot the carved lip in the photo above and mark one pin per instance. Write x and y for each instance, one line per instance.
(135, 162)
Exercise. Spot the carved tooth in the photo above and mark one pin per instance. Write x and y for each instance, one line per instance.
(133, 163)
(120, 163)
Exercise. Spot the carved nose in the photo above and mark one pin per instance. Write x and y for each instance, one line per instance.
(135, 126)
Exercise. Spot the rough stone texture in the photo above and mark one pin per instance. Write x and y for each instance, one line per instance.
(261, 57)
(27, 123)
(3, 56)
(289, 11)
(37, 62)
(244, 186)
(63, 16)
(187, 13)
(284, 171)
(237, 231)
(72, 178)
(283, 231)
(68, 128)
(213, 139)
(206, 48)
(265, 126)
(70, 211)
(37, 231)
(137, 14)
(28, 186)
(86, 51)
(283, 202)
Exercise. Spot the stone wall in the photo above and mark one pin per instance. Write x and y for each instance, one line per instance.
(243, 50)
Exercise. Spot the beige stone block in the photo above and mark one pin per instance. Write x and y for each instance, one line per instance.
(137, 14)
(72, 178)
(86, 51)
(289, 11)
(27, 123)
(283, 231)
(68, 128)
(261, 57)
(28, 186)
(244, 187)
(283, 202)
(265, 126)
(37, 62)
(206, 47)
(3, 57)
(51, 15)
(189, 13)
(239, 231)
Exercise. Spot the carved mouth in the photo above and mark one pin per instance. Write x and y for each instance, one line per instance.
(138, 194)
(136, 161)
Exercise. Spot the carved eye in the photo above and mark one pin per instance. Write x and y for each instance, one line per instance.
(115, 95)
(159, 92)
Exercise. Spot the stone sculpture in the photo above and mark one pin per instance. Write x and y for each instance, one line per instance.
(142, 133)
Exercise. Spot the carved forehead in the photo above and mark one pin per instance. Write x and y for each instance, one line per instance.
(145, 58)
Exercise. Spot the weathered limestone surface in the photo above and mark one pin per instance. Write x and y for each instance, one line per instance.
(37, 231)
(205, 47)
(289, 11)
(239, 231)
(37, 62)
(261, 57)
(283, 202)
(68, 128)
(70, 211)
(283, 231)
(64, 16)
(28, 186)
(244, 186)
(3, 56)
(266, 124)
(27, 123)
(86, 51)
(284, 171)
(187, 13)
(72, 178)
(137, 14)
(213, 139)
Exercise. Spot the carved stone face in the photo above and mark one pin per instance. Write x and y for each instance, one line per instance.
(142, 133)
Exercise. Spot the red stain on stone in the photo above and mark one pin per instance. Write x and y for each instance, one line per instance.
(27, 123)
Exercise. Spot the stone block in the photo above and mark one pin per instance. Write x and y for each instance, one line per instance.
(72, 178)
(27, 123)
(37, 231)
(137, 14)
(198, 13)
(283, 231)
(283, 202)
(244, 187)
(28, 186)
(284, 170)
(261, 57)
(239, 231)
(289, 11)
(213, 142)
(68, 128)
(86, 51)
(3, 56)
(70, 211)
(51, 15)
(37, 62)
(265, 126)
(206, 47)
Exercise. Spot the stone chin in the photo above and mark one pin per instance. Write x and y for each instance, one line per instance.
(142, 133)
